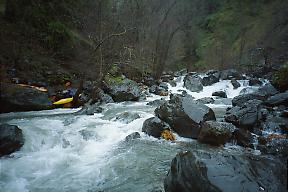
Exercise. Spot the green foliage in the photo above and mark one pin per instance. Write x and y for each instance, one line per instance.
(58, 35)
(280, 78)
(113, 76)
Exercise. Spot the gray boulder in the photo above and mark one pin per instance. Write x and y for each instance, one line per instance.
(11, 139)
(154, 127)
(184, 115)
(210, 80)
(246, 116)
(278, 99)
(126, 90)
(193, 83)
(18, 98)
(202, 171)
(216, 133)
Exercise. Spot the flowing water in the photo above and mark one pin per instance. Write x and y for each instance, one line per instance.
(68, 152)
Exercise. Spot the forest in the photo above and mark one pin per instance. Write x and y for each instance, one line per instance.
(143, 95)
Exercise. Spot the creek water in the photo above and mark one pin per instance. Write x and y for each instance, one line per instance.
(68, 152)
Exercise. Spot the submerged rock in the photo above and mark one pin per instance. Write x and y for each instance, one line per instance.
(90, 109)
(223, 171)
(157, 102)
(216, 133)
(127, 117)
(154, 127)
(132, 136)
(18, 98)
(11, 139)
(220, 94)
(193, 83)
(184, 115)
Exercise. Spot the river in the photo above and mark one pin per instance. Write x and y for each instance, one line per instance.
(68, 152)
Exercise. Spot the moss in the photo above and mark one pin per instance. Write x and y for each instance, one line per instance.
(280, 78)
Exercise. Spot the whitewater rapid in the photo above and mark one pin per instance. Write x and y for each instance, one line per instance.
(68, 152)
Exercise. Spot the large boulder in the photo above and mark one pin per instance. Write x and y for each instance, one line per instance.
(18, 98)
(125, 90)
(202, 171)
(246, 116)
(154, 127)
(230, 74)
(11, 139)
(210, 80)
(216, 133)
(278, 99)
(188, 174)
(240, 100)
(184, 115)
(193, 83)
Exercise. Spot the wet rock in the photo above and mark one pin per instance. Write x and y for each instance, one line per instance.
(154, 127)
(230, 74)
(193, 83)
(278, 99)
(216, 133)
(157, 102)
(243, 138)
(162, 89)
(255, 82)
(18, 98)
(188, 174)
(89, 134)
(266, 91)
(90, 109)
(126, 90)
(246, 116)
(240, 100)
(214, 73)
(210, 80)
(105, 98)
(184, 115)
(206, 100)
(235, 83)
(127, 117)
(247, 90)
(223, 101)
(207, 172)
(11, 139)
(220, 94)
(132, 136)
